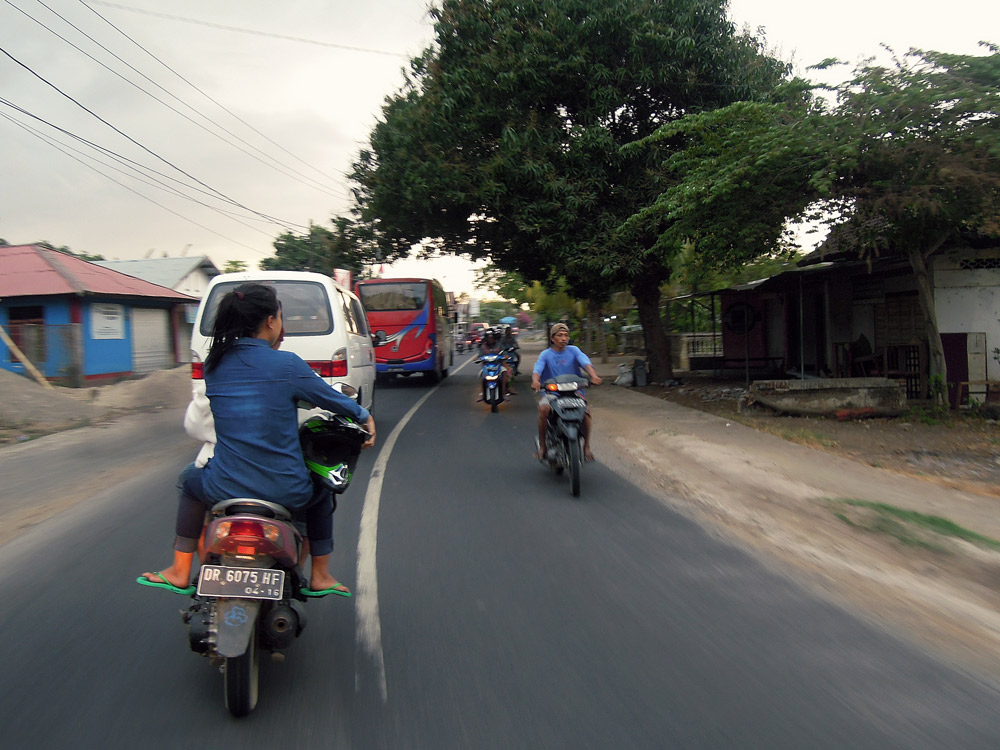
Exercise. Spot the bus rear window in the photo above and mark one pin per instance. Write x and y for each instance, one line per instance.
(305, 308)
(392, 297)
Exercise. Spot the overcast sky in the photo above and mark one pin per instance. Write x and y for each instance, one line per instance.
(265, 104)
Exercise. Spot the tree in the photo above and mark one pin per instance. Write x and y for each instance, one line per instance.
(322, 250)
(506, 141)
(508, 285)
(234, 266)
(905, 161)
(64, 249)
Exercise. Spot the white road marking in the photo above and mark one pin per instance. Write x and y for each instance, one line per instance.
(368, 625)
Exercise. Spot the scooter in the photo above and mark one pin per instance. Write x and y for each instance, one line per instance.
(491, 377)
(564, 436)
(249, 597)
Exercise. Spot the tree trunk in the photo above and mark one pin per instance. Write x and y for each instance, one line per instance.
(925, 296)
(597, 318)
(590, 330)
(646, 291)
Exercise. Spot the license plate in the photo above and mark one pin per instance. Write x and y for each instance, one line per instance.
(240, 583)
(573, 403)
(396, 369)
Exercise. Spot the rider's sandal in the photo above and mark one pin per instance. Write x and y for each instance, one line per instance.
(340, 590)
(142, 580)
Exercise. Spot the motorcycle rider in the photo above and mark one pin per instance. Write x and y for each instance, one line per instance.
(253, 390)
(491, 345)
(508, 342)
(560, 359)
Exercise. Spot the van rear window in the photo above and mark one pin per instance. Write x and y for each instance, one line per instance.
(304, 307)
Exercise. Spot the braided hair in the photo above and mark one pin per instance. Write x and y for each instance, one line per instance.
(241, 314)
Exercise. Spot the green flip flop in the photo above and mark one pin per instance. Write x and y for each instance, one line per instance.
(142, 580)
(305, 591)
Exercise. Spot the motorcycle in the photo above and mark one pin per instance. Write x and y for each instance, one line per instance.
(564, 437)
(491, 377)
(249, 596)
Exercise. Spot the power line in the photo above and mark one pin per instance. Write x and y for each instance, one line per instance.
(239, 30)
(314, 184)
(141, 169)
(210, 98)
(56, 145)
(225, 197)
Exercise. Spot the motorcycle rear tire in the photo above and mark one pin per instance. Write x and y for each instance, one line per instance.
(241, 676)
(575, 465)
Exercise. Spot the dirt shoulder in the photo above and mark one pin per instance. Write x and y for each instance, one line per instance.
(804, 495)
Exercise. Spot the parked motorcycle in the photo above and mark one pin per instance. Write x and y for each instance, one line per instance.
(491, 377)
(249, 599)
(564, 437)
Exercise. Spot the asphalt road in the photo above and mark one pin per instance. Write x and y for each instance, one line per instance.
(509, 615)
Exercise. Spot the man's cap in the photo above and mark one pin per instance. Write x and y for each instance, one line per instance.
(556, 328)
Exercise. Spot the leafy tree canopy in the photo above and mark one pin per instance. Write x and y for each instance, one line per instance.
(509, 285)
(234, 266)
(904, 160)
(506, 140)
(322, 250)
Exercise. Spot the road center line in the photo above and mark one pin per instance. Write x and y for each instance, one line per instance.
(368, 625)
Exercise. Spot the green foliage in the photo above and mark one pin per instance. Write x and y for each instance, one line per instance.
(67, 251)
(509, 285)
(321, 250)
(234, 266)
(905, 160)
(902, 524)
(506, 141)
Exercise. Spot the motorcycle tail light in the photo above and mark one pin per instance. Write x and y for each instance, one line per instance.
(246, 536)
(554, 387)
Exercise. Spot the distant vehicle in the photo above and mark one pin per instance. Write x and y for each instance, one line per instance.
(409, 318)
(325, 324)
(476, 331)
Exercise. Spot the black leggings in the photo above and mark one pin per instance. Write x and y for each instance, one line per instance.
(192, 504)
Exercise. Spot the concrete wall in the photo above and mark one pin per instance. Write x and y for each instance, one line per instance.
(967, 298)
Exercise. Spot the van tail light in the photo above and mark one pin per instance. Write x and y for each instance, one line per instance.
(335, 368)
(197, 367)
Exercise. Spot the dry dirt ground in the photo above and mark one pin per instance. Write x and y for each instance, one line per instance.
(921, 578)
(955, 448)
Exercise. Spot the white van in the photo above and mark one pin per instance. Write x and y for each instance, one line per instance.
(325, 324)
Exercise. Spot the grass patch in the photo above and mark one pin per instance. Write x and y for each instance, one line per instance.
(932, 416)
(807, 437)
(906, 526)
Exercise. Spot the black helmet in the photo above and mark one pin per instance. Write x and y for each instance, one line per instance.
(331, 444)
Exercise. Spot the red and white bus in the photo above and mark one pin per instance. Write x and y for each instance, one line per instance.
(412, 317)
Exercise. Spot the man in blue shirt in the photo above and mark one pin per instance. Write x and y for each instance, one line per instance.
(560, 359)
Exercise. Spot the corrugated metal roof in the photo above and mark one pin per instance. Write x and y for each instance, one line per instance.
(168, 272)
(31, 270)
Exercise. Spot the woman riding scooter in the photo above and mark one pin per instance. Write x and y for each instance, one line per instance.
(253, 390)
